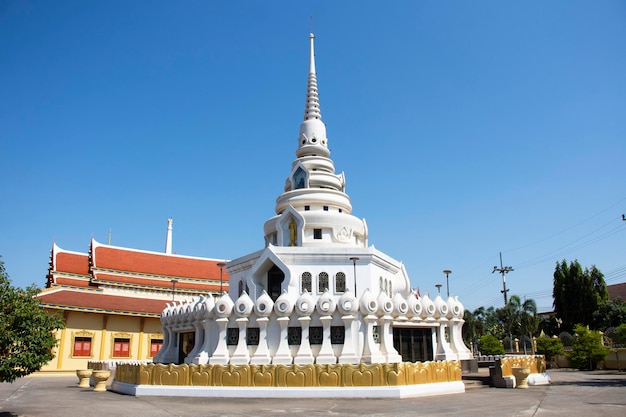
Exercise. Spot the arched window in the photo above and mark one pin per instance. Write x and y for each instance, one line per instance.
(322, 282)
(306, 282)
(240, 288)
(340, 282)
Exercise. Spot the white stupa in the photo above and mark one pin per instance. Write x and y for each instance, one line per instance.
(317, 293)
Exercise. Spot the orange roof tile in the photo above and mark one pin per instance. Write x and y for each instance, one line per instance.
(96, 302)
(158, 283)
(72, 263)
(69, 281)
(122, 259)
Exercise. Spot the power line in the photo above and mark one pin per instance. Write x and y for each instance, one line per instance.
(563, 250)
(570, 227)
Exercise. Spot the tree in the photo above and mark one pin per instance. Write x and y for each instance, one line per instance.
(480, 322)
(520, 318)
(549, 347)
(26, 338)
(489, 345)
(587, 350)
(621, 333)
(577, 293)
(610, 313)
(529, 322)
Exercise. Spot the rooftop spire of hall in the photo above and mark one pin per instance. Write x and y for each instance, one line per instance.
(312, 108)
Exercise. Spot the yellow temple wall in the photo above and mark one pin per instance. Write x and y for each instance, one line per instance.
(103, 329)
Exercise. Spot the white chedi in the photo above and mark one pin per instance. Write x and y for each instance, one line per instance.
(385, 305)
(224, 306)
(347, 304)
(326, 304)
(244, 305)
(401, 306)
(284, 305)
(368, 304)
(305, 305)
(441, 308)
(263, 305)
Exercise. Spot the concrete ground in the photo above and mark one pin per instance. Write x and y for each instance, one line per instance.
(572, 393)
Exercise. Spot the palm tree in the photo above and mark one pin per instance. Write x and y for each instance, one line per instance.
(529, 321)
(523, 315)
(475, 326)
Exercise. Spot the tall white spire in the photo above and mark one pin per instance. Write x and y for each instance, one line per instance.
(312, 138)
(168, 237)
(312, 107)
(314, 209)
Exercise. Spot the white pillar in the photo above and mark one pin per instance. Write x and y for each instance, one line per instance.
(198, 342)
(456, 339)
(167, 353)
(202, 358)
(326, 355)
(220, 356)
(371, 350)
(262, 354)
(386, 340)
(348, 352)
(283, 353)
(443, 351)
(241, 356)
(304, 355)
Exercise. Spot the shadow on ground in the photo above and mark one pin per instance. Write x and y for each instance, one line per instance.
(595, 382)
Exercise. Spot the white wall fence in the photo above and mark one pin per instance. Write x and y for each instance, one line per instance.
(304, 330)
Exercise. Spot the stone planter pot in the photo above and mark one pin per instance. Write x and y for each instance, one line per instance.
(100, 380)
(83, 377)
(521, 376)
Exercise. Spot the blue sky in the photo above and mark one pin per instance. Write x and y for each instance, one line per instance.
(464, 129)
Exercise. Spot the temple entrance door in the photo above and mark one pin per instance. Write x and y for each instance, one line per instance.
(185, 345)
(414, 345)
(275, 278)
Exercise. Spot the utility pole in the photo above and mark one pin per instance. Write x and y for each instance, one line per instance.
(503, 270)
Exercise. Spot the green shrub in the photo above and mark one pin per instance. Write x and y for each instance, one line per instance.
(587, 350)
(549, 347)
(489, 345)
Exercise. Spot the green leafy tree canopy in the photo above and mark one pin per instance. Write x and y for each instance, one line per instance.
(610, 313)
(577, 293)
(26, 330)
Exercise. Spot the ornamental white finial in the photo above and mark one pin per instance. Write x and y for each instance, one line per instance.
(168, 237)
(312, 109)
(312, 59)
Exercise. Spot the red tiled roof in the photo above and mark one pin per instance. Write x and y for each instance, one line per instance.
(96, 302)
(74, 282)
(122, 259)
(158, 283)
(74, 263)
(617, 290)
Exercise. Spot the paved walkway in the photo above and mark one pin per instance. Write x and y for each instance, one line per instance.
(575, 394)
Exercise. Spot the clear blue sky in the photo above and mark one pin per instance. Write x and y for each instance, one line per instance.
(464, 129)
